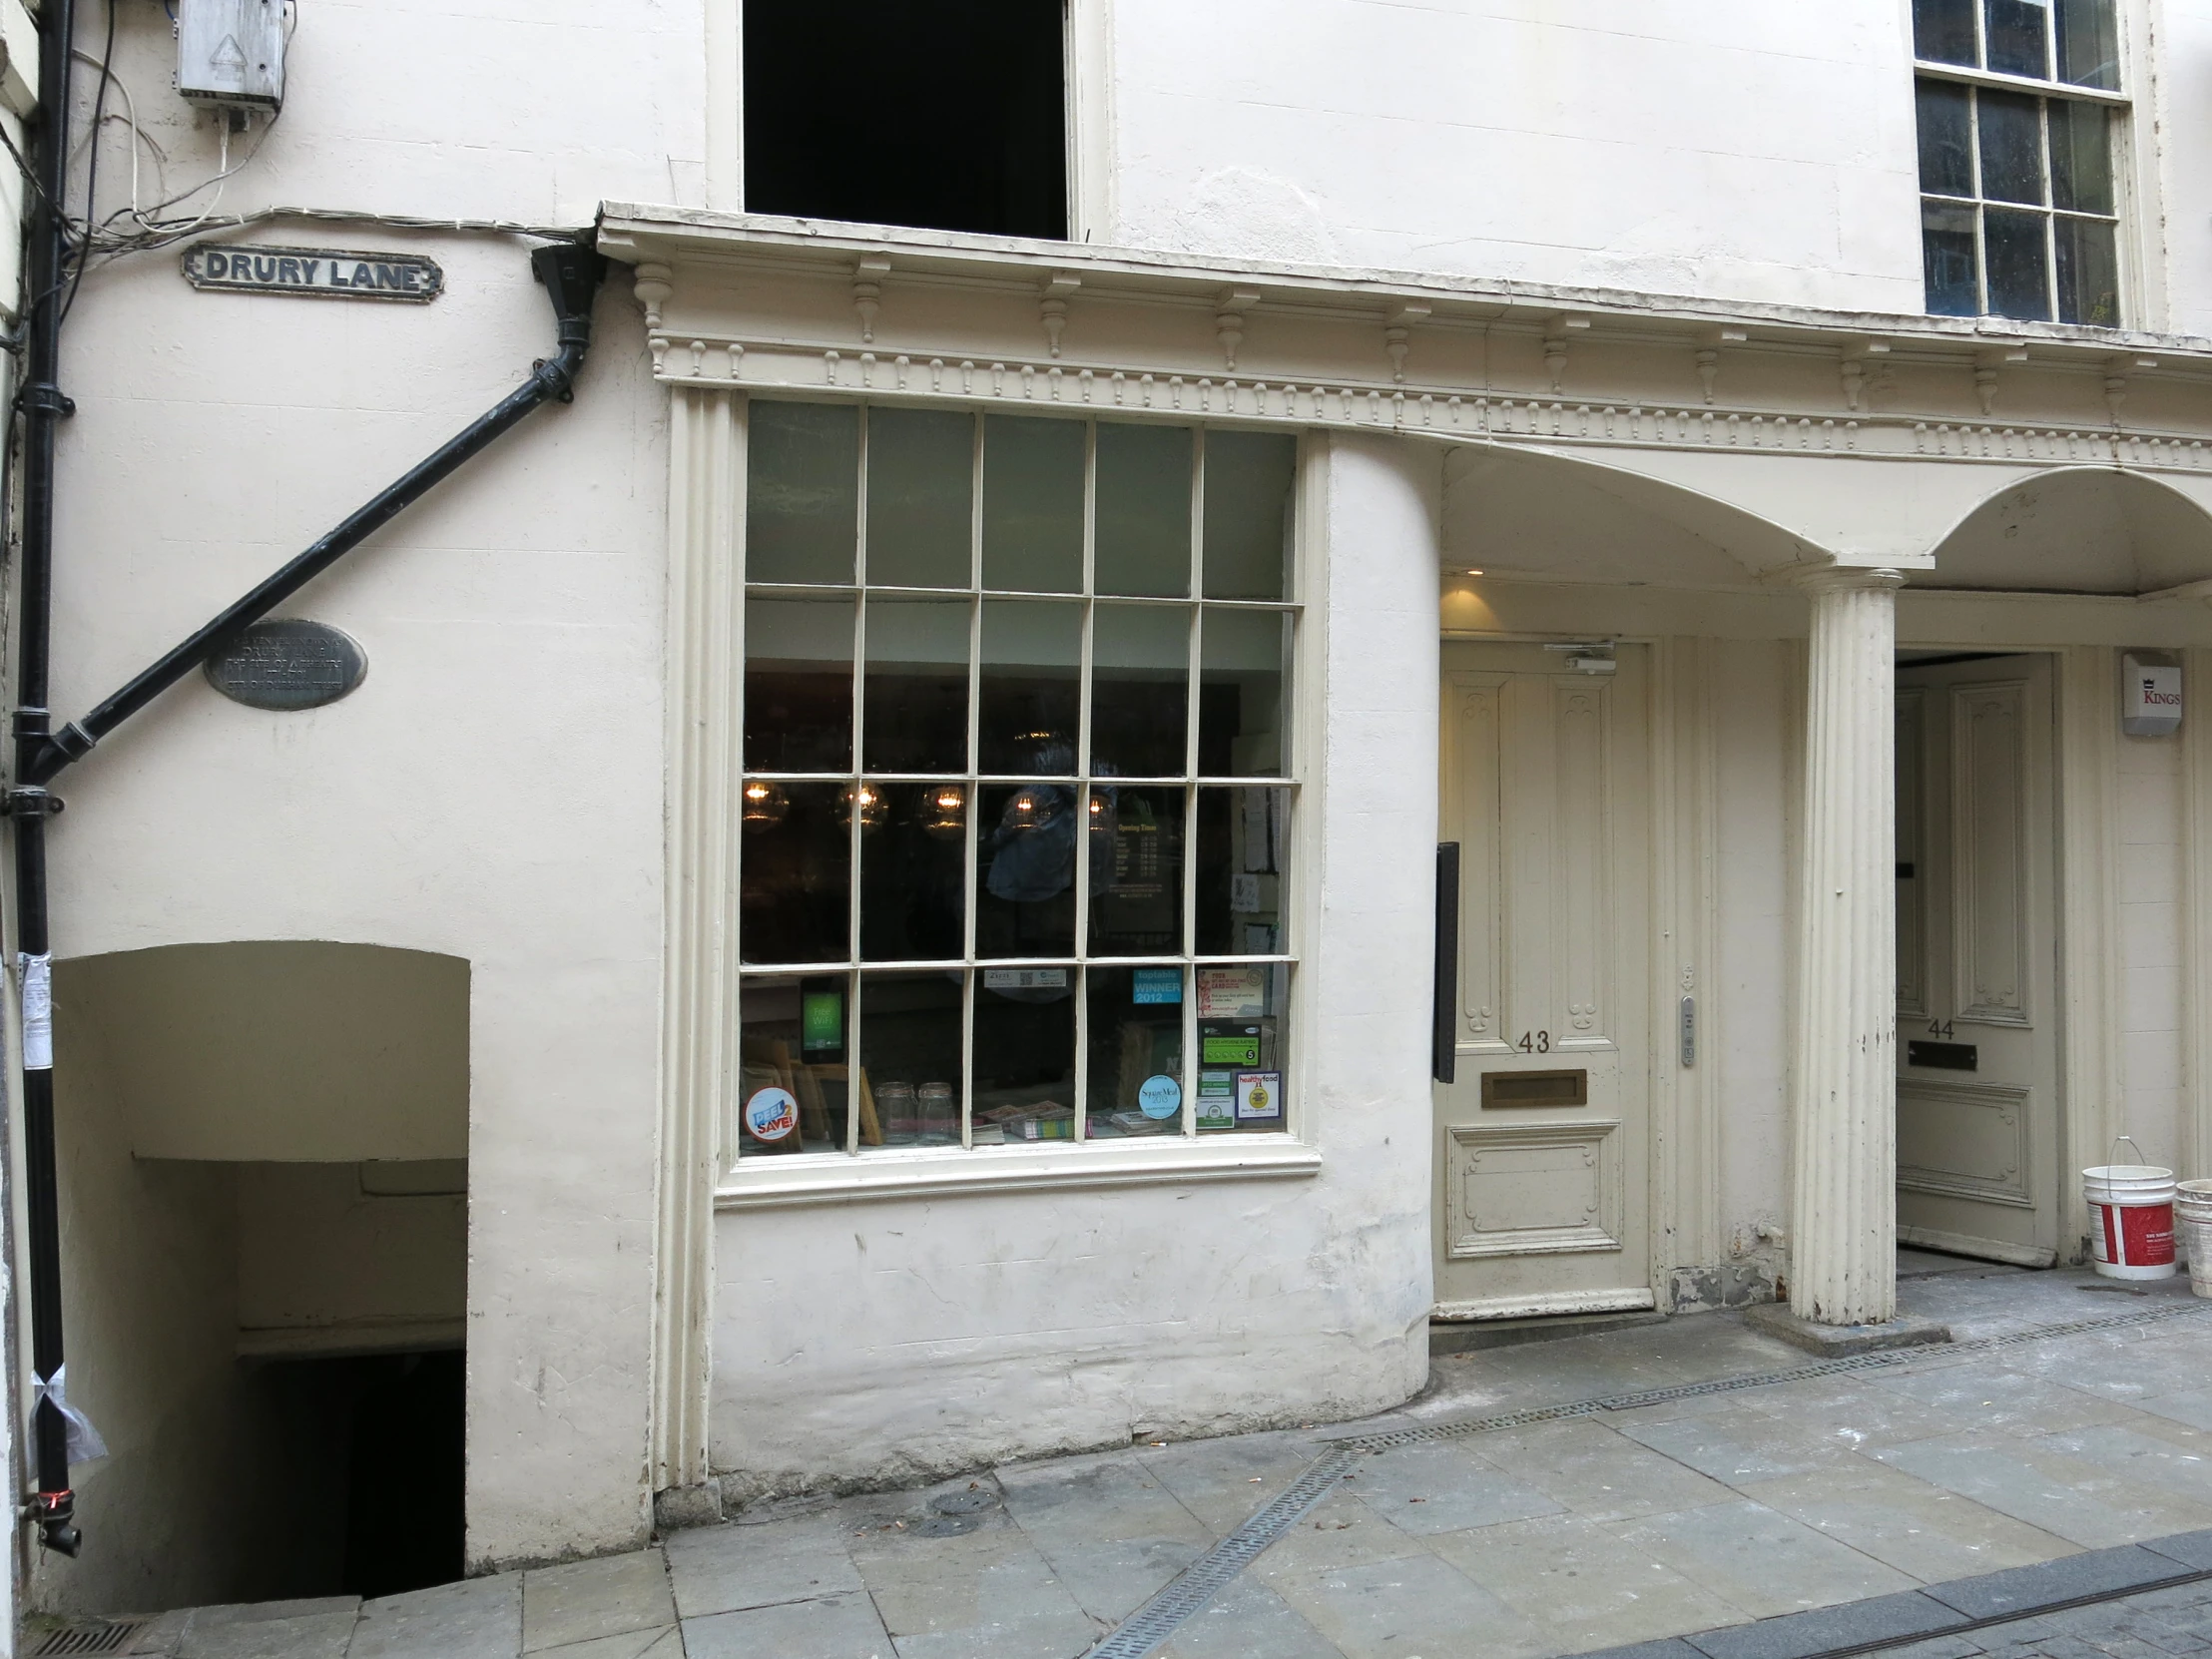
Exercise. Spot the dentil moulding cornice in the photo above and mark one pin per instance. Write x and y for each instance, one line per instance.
(738, 302)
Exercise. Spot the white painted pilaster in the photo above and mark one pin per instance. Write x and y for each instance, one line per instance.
(2091, 1060)
(700, 1019)
(2196, 946)
(1843, 1230)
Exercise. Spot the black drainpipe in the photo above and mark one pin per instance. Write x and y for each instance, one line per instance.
(571, 272)
(43, 406)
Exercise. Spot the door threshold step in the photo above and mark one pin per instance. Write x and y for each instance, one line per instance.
(1469, 1336)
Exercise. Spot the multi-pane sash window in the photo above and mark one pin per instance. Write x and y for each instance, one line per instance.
(1018, 801)
(2019, 119)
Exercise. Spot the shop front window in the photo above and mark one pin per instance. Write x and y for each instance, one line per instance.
(1018, 810)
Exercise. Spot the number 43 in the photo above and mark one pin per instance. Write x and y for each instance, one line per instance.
(1534, 1042)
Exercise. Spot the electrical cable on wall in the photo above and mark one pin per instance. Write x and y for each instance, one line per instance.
(139, 227)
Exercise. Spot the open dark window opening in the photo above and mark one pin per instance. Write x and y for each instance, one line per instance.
(948, 116)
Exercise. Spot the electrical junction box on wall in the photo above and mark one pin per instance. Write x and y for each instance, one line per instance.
(231, 51)
(2150, 697)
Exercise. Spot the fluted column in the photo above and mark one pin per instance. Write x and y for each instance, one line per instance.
(1843, 1267)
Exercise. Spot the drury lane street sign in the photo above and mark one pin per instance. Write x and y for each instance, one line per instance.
(317, 273)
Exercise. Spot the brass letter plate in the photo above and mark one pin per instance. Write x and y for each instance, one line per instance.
(1535, 1088)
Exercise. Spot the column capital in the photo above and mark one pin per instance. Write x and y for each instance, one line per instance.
(1817, 579)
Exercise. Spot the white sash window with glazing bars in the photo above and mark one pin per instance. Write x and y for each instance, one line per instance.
(1018, 798)
(2021, 118)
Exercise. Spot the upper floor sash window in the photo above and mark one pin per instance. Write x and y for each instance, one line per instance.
(2022, 116)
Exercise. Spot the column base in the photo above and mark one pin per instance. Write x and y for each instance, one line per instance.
(1834, 1342)
(678, 1508)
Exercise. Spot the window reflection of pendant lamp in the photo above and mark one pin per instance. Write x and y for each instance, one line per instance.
(945, 811)
(765, 803)
(869, 801)
(1031, 809)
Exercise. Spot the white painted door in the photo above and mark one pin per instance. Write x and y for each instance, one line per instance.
(1978, 1051)
(1542, 1141)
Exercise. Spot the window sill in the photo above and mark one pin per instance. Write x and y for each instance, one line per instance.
(767, 1184)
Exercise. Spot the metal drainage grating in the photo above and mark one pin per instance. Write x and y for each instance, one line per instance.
(1158, 1619)
(1213, 1572)
(88, 1638)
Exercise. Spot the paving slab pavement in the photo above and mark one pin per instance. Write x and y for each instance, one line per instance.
(1698, 1514)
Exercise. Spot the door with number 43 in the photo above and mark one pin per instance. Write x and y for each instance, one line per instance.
(1543, 1139)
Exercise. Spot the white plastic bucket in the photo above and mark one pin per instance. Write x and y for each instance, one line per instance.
(2193, 1229)
(2131, 1219)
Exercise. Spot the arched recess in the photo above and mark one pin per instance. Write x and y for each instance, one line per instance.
(1513, 511)
(274, 1050)
(262, 1195)
(2085, 530)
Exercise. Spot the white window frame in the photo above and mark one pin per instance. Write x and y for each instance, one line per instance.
(2124, 217)
(806, 1176)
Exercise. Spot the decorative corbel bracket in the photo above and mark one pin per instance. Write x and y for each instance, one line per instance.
(1052, 304)
(1709, 354)
(1987, 365)
(1863, 370)
(1397, 334)
(2116, 371)
(1556, 334)
(867, 291)
(1229, 319)
(652, 284)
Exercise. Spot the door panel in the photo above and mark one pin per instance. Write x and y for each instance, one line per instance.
(1977, 1100)
(1542, 1143)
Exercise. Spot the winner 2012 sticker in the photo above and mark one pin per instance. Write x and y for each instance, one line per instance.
(770, 1114)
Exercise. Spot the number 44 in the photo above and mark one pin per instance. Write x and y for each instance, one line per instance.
(1939, 1028)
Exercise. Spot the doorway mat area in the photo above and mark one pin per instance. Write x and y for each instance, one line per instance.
(1988, 1601)
(1476, 1336)
(1155, 1623)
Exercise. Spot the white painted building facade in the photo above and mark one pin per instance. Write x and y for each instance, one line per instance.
(526, 1001)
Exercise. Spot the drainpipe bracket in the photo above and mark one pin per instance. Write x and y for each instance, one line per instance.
(554, 375)
(52, 1513)
(31, 802)
(49, 397)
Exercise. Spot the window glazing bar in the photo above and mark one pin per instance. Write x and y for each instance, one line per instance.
(2018, 82)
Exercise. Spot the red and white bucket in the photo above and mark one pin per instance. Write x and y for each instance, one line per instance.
(2131, 1217)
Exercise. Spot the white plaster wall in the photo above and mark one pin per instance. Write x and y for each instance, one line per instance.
(316, 1249)
(2151, 945)
(493, 792)
(2173, 127)
(201, 1496)
(882, 1342)
(148, 1268)
(1735, 149)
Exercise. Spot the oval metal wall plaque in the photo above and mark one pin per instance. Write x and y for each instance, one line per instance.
(288, 663)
